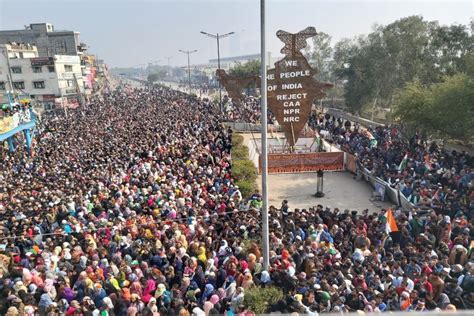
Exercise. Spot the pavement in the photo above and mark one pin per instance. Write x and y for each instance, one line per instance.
(340, 188)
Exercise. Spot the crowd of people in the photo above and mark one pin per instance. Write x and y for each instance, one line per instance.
(128, 207)
(21, 109)
(428, 175)
(246, 111)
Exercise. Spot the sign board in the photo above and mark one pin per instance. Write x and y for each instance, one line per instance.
(307, 162)
(42, 61)
(291, 85)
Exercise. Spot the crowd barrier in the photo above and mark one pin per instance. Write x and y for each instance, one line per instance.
(347, 116)
(383, 188)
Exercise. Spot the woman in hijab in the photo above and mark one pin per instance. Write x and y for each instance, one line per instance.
(230, 286)
(247, 281)
(147, 292)
(152, 306)
(238, 298)
(265, 278)
(208, 291)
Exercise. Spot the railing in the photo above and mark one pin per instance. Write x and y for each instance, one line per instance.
(384, 189)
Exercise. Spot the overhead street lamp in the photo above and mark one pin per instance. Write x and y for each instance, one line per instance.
(218, 37)
(189, 68)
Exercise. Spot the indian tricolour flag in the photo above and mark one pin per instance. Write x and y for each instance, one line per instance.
(403, 163)
(391, 225)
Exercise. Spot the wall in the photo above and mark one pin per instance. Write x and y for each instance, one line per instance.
(28, 76)
(63, 76)
(48, 43)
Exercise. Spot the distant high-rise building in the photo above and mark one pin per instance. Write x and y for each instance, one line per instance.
(48, 41)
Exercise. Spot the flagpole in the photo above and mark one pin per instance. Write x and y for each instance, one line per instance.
(264, 156)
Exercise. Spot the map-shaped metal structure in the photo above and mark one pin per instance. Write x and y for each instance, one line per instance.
(235, 85)
(292, 86)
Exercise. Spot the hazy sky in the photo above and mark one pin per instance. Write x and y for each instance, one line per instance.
(127, 33)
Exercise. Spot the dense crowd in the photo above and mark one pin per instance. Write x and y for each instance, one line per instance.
(246, 111)
(17, 108)
(427, 174)
(128, 207)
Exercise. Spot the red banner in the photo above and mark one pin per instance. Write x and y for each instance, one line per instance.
(308, 162)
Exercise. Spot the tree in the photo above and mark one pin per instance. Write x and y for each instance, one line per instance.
(250, 68)
(407, 50)
(443, 109)
(320, 56)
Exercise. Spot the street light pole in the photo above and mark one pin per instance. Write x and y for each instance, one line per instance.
(189, 67)
(218, 37)
(263, 93)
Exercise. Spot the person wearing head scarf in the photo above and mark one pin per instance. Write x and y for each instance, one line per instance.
(147, 292)
(126, 295)
(247, 280)
(265, 278)
(68, 294)
(98, 295)
(208, 291)
(49, 288)
(202, 254)
(152, 306)
(44, 303)
(405, 301)
(136, 288)
(230, 286)
(238, 298)
(108, 307)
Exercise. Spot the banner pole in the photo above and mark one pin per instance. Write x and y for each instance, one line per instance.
(263, 93)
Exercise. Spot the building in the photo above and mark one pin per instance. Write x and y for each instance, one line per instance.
(44, 80)
(229, 62)
(48, 41)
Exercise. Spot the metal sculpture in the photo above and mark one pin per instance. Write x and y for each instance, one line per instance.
(292, 86)
(235, 85)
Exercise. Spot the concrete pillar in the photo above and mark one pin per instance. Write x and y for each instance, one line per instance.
(11, 146)
(27, 134)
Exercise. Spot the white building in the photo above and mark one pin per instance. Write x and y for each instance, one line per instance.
(42, 79)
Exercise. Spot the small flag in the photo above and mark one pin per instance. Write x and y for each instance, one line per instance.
(427, 162)
(403, 163)
(391, 225)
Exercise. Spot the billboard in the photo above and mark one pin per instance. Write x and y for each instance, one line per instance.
(42, 61)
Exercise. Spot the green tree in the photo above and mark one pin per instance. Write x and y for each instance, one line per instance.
(409, 49)
(250, 68)
(444, 109)
(320, 56)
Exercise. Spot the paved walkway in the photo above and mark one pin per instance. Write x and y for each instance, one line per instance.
(341, 191)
